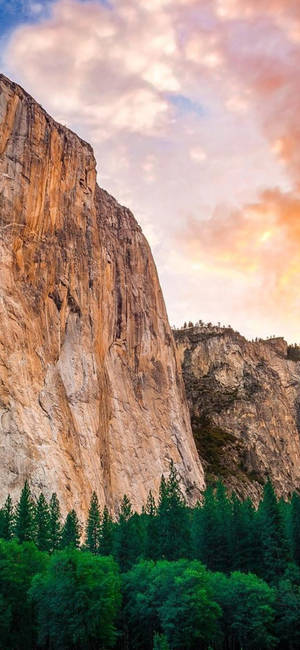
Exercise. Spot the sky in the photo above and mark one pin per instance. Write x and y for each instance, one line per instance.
(192, 108)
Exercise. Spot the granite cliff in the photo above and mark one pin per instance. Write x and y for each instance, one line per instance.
(91, 392)
(244, 400)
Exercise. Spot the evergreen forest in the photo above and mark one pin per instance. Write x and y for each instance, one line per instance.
(222, 575)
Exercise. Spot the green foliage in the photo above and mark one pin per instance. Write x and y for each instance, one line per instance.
(77, 601)
(295, 527)
(128, 536)
(7, 519)
(42, 524)
(220, 575)
(18, 564)
(173, 519)
(93, 527)
(170, 597)
(160, 642)
(247, 603)
(272, 534)
(189, 613)
(106, 533)
(243, 535)
(25, 516)
(205, 539)
(152, 529)
(54, 523)
(287, 608)
(212, 441)
(70, 536)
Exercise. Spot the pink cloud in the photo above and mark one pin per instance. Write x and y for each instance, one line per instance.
(111, 75)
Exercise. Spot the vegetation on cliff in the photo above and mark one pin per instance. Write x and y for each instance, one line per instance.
(221, 575)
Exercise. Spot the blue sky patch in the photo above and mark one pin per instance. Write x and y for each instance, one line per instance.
(21, 12)
(186, 105)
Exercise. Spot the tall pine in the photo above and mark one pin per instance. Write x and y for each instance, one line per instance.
(42, 524)
(207, 542)
(273, 539)
(25, 519)
(106, 533)
(295, 527)
(7, 519)
(173, 519)
(70, 536)
(93, 527)
(54, 523)
(152, 534)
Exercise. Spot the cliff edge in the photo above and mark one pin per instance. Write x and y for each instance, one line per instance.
(91, 393)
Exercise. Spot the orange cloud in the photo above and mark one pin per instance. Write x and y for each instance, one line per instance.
(261, 239)
(260, 244)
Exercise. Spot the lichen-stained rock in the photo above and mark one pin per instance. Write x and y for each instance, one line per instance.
(244, 400)
(91, 393)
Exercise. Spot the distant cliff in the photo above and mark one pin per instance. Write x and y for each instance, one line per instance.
(91, 394)
(244, 400)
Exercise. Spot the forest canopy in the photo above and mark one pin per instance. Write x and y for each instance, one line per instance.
(222, 575)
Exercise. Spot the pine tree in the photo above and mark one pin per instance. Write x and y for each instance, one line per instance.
(127, 538)
(7, 519)
(42, 524)
(93, 527)
(243, 548)
(222, 530)
(152, 534)
(54, 523)
(173, 517)
(207, 538)
(71, 531)
(24, 523)
(274, 544)
(295, 527)
(106, 533)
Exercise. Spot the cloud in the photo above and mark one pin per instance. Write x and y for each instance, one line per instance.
(101, 70)
(192, 108)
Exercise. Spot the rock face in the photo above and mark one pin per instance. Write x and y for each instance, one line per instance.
(91, 393)
(244, 400)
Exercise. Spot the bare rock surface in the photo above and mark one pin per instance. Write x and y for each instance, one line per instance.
(91, 392)
(244, 400)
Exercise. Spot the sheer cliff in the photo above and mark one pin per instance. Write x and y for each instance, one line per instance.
(244, 400)
(91, 393)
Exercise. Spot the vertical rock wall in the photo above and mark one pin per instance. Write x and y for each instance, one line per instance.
(91, 394)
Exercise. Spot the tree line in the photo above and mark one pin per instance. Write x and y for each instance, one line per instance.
(222, 575)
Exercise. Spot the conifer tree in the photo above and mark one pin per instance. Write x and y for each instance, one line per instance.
(223, 530)
(42, 524)
(93, 527)
(54, 523)
(121, 537)
(25, 520)
(295, 527)
(7, 519)
(243, 550)
(127, 538)
(152, 533)
(196, 530)
(207, 540)
(71, 531)
(173, 519)
(106, 533)
(274, 544)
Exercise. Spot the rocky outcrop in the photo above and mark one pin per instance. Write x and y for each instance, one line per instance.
(244, 400)
(91, 394)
